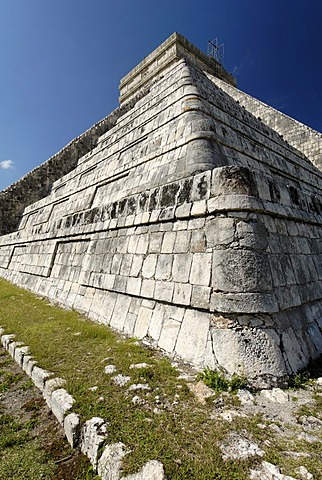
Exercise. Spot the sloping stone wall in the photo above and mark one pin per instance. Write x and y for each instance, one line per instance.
(302, 137)
(190, 223)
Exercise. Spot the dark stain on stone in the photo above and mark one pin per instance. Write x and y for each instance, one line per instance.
(185, 191)
(274, 192)
(202, 187)
(143, 201)
(131, 205)
(153, 200)
(168, 194)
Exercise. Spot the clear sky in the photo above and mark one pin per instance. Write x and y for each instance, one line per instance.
(61, 61)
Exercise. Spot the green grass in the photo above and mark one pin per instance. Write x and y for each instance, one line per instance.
(180, 434)
(28, 449)
(220, 383)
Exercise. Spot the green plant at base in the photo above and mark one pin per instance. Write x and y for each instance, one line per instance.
(219, 382)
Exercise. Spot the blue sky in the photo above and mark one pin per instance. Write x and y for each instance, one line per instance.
(61, 61)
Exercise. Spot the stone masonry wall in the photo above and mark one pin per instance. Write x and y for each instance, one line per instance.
(302, 137)
(37, 184)
(190, 223)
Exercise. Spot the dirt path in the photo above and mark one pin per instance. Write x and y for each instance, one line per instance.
(32, 443)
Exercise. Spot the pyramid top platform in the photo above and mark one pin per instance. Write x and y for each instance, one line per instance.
(176, 47)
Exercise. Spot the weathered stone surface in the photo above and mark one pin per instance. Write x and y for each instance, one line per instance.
(239, 448)
(152, 470)
(72, 429)
(187, 200)
(39, 376)
(190, 346)
(61, 403)
(93, 436)
(276, 395)
(269, 472)
(51, 385)
(255, 352)
(110, 463)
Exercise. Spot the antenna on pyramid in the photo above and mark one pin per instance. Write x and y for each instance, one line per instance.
(216, 51)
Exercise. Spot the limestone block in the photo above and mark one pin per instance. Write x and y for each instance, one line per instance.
(6, 339)
(182, 242)
(72, 429)
(252, 235)
(28, 364)
(220, 231)
(198, 208)
(136, 265)
(235, 179)
(244, 303)
(182, 293)
(293, 351)
(315, 335)
(152, 470)
(51, 385)
(61, 403)
(164, 266)
(156, 322)
(181, 267)
(110, 463)
(183, 211)
(196, 224)
(236, 202)
(200, 269)
(240, 271)
(19, 354)
(120, 310)
(198, 241)
(143, 322)
(200, 296)
(156, 240)
(164, 291)
(169, 333)
(149, 265)
(251, 352)
(126, 264)
(143, 244)
(12, 348)
(276, 395)
(93, 436)
(39, 376)
(191, 347)
(147, 288)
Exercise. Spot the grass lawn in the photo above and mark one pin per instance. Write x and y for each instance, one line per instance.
(166, 423)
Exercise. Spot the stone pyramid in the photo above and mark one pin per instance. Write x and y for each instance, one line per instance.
(181, 218)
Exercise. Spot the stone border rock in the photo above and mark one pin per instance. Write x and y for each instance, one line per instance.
(91, 436)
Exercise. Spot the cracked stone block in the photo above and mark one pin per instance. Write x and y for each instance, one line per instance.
(249, 352)
(20, 352)
(110, 463)
(93, 436)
